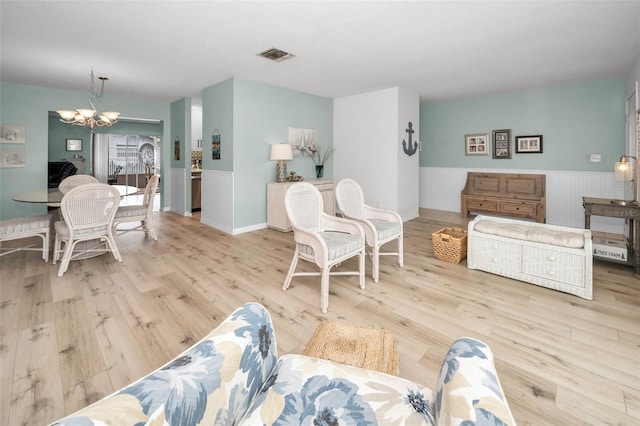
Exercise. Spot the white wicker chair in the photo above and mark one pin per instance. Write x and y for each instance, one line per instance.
(380, 226)
(74, 180)
(140, 213)
(320, 238)
(88, 212)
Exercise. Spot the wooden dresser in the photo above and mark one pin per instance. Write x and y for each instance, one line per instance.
(276, 214)
(505, 194)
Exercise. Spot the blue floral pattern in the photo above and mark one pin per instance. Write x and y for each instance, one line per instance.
(233, 377)
(325, 402)
(468, 372)
(181, 387)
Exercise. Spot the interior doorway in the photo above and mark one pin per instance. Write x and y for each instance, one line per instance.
(126, 159)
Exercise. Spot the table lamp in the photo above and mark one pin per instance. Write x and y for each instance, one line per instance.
(281, 152)
(626, 171)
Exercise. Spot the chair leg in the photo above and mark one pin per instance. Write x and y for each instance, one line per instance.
(56, 249)
(45, 245)
(361, 262)
(400, 250)
(66, 257)
(148, 223)
(292, 269)
(376, 263)
(111, 243)
(324, 289)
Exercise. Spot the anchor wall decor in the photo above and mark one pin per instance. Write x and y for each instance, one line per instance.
(412, 147)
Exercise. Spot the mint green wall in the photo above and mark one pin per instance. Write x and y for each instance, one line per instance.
(250, 117)
(262, 117)
(217, 112)
(181, 130)
(30, 105)
(575, 121)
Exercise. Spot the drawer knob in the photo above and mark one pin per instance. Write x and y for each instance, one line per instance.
(552, 273)
(551, 258)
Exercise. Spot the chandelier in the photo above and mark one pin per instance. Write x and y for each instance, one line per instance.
(88, 117)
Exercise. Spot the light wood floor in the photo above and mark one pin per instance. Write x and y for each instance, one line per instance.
(66, 342)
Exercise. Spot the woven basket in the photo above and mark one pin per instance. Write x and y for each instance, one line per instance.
(450, 244)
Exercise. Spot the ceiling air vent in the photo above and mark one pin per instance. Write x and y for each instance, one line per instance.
(276, 55)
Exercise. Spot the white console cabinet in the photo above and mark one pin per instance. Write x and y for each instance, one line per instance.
(276, 214)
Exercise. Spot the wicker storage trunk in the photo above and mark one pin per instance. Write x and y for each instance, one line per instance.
(450, 244)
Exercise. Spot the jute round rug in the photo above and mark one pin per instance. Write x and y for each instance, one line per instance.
(365, 347)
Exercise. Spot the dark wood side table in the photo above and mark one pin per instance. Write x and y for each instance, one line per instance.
(628, 211)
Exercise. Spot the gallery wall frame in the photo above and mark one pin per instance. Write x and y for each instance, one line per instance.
(502, 144)
(13, 133)
(74, 144)
(476, 144)
(12, 157)
(529, 144)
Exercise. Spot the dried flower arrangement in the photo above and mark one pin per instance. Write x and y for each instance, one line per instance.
(316, 154)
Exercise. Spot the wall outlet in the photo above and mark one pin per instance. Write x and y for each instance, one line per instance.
(596, 158)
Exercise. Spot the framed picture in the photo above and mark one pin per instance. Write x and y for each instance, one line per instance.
(529, 144)
(176, 149)
(215, 145)
(12, 157)
(74, 144)
(302, 140)
(12, 133)
(476, 144)
(502, 143)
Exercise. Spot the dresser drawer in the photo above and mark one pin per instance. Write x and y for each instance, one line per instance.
(482, 204)
(498, 254)
(518, 207)
(551, 265)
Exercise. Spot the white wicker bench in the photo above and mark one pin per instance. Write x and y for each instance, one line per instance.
(556, 257)
(26, 227)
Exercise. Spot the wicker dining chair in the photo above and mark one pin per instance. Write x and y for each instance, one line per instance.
(140, 212)
(74, 180)
(88, 211)
(321, 238)
(380, 226)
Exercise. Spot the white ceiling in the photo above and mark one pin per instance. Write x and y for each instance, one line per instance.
(167, 50)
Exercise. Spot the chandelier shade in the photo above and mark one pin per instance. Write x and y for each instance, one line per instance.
(88, 116)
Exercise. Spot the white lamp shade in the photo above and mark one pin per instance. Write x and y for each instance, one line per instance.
(623, 171)
(281, 151)
(67, 114)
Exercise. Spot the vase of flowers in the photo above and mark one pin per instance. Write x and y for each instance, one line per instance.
(315, 153)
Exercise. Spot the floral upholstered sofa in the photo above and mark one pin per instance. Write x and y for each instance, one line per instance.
(233, 377)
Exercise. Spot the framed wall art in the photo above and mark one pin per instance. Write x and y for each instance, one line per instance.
(215, 144)
(12, 133)
(529, 144)
(74, 144)
(302, 140)
(476, 144)
(12, 157)
(502, 143)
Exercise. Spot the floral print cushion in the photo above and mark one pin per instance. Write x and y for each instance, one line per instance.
(468, 390)
(231, 377)
(311, 391)
(213, 382)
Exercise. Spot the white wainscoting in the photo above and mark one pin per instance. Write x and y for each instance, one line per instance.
(178, 194)
(440, 189)
(217, 200)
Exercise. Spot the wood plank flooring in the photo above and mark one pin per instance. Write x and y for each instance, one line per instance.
(66, 342)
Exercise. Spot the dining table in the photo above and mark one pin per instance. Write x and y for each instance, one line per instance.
(53, 196)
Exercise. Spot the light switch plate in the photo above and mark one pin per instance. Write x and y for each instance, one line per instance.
(596, 158)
